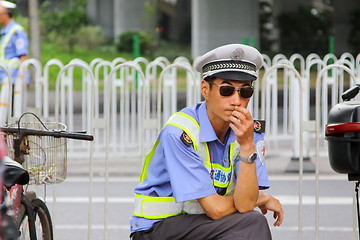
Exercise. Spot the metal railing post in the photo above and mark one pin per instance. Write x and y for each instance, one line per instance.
(317, 129)
(300, 135)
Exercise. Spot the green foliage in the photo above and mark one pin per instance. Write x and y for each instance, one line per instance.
(51, 50)
(172, 50)
(150, 11)
(22, 21)
(90, 37)
(354, 36)
(305, 31)
(65, 21)
(126, 41)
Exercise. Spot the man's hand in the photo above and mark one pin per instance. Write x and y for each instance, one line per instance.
(272, 204)
(243, 127)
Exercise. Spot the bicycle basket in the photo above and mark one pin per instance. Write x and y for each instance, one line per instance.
(46, 157)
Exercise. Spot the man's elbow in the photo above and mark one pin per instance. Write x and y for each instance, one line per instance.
(215, 213)
(244, 207)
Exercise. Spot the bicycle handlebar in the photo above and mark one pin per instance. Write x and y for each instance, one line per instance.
(57, 134)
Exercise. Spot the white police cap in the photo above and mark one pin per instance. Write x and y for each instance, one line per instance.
(232, 61)
(7, 4)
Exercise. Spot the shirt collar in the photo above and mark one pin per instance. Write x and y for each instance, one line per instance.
(7, 28)
(207, 132)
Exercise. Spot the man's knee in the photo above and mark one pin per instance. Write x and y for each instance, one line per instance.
(257, 226)
(256, 218)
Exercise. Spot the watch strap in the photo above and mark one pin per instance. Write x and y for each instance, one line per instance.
(249, 159)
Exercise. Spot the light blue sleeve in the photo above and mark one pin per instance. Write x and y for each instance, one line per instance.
(21, 43)
(260, 161)
(261, 171)
(188, 176)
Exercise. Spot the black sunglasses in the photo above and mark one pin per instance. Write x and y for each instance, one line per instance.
(228, 90)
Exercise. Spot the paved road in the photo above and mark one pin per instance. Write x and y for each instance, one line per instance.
(71, 216)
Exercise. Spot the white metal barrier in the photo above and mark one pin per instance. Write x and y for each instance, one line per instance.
(155, 123)
(6, 96)
(301, 128)
(110, 84)
(45, 80)
(59, 79)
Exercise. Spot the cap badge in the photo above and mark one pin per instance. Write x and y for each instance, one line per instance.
(237, 54)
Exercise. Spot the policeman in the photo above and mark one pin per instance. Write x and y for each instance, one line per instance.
(14, 41)
(206, 174)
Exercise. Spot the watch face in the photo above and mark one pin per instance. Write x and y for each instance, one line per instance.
(249, 159)
(253, 157)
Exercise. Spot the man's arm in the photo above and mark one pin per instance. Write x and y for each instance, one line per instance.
(23, 72)
(246, 194)
(217, 206)
(247, 187)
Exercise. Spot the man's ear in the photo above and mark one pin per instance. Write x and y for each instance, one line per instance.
(205, 88)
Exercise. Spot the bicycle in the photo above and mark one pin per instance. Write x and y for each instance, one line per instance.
(41, 149)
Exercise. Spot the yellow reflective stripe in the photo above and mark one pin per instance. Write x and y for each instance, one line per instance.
(147, 161)
(195, 141)
(208, 164)
(187, 132)
(216, 165)
(151, 153)
(155, 200)
(6, 40)
(189, 117)
(232, 148)
(3, 104)
(222, 168)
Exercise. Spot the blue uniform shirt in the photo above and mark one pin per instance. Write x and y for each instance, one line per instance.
(176, 170)
(17, 46)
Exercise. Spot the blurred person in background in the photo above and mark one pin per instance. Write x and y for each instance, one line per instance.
(13, 41)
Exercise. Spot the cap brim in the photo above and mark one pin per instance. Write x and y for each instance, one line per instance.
(235, 75)
(8, 5)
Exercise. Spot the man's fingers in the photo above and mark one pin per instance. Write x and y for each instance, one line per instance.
(263, 210)
(279, 219)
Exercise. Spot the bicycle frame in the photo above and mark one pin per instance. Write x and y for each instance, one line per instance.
(15, 197)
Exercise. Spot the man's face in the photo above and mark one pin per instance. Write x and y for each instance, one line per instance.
(221, 107)
(3, 15)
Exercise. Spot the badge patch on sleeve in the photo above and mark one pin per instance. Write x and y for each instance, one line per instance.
(259, 126)
(260, 149)
(20, 43)
(186, 139)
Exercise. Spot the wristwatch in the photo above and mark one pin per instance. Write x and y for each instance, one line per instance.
(249, 159)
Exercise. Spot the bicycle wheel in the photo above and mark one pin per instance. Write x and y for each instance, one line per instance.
(43, 226)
